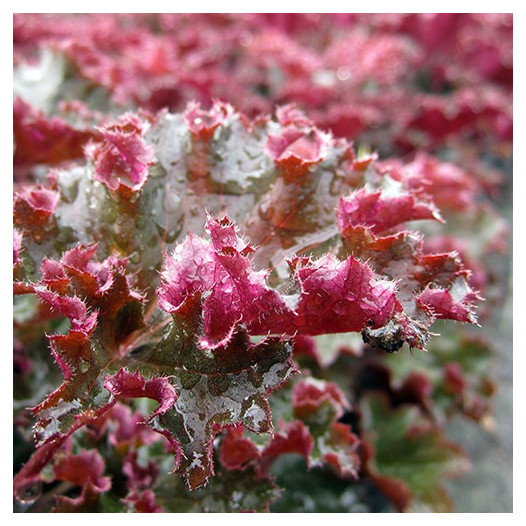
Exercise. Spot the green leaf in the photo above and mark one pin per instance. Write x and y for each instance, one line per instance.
(317, 490)
(408, 455)
(228, 492)
(216, 390)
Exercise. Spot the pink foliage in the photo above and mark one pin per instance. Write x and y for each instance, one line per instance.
(39, 139)
(17, 247)
(295, 151)
(236, 450)
(443, 304)
(379, 212)
(201, 123)
(272, 126)
(132, 385)
(85, 470)
(123, 158)
(35, 205)
(334, 295)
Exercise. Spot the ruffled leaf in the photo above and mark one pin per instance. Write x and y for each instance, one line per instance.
(122, 159)
(340, 296)
(379, 212)
(230, 387)
(85, 470)
(363, 218)
(192, 342)
(320, 404)
(293, 437)
(296, 150)
(453, 304)
(34, 206)
(40, 139)
(201, 123)
(333, 296)
(449, 186)
(237, 451)
(132, 385)
(88, 347)
(315, 434)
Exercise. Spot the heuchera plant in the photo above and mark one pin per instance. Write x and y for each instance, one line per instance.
(208, 300)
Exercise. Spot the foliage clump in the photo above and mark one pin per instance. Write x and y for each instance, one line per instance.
(206, 287)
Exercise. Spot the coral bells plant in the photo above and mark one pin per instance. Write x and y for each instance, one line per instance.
(218, 311)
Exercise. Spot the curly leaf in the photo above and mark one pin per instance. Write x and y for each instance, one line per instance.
(122, 158)
(400, 256)
(85, 470)
(228, 387)
(333, 296)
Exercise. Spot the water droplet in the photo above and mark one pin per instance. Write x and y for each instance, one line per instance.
(171, 236)
(320, 298)
(172, 203)
(336, 186)
(70, 191)
(111, 214)
(30, 492)
(84, 366)
(160, 229)
(135, 197)
(268, 213)
(153, 241)
(343, 73)
(141, 222)
(246, 38)
(135, 257)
